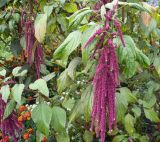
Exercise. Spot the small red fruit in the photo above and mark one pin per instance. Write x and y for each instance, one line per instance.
(20, 119)
(26, 136)
(22, 108)
(30, 130)
(27, 114)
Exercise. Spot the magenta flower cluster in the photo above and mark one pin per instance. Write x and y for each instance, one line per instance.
(106, 78)
(34, 50)
(9, 126)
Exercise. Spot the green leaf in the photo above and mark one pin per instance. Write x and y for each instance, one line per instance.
(49, 76)
(129, 123)
(48, 10)
(9, 108)
(144, 139)
(42, 115)
(118, 138)
(129, 55)
(83, 105)
(70, 7)
(88, 136)
(63, 137)
(156, 64)
(137, 111)
(5, 91)
(16, 91)
(41, 86)
(19, 71)
(63, 81)
(77, 17)
(151, 115)
(67, 47)
(3, 72)
(72, 67)
(58, 121)
(16, 16)
(142, 58)
(68, 104)
(121, 106)
(134, 5)
(3, 2)
(40, 27)
(130, 97)
(39, 136)
(16, 47)
(87, 51)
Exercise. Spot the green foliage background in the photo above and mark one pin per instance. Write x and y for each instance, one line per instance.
(63, 96)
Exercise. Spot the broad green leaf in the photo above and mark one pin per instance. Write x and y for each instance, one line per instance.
(16, 91)
(72, 67)
(121, 106)
(15, 47)
(3, 72)
(134, 5)
(16, 16)
(40, 27)
(19, 71)
(63, 81)
(83, 105)
(129, 123)
(58, 121)
(150, 103)
(118, 138)
(68, 104)
(88, 136)
(5, 91)
(151, 115)
(49, 76)
(142, 58)
(62, 137)
(67, 47)
(130, 97)
(156, 64)
(77, 17)
(3, 2)
(39, 136)
(41, 86)
(41, 116)
(48, 9)
(129, 56)
(9, 108)
(87, 51)
(144, 139)
(70, 7)
(137, 111)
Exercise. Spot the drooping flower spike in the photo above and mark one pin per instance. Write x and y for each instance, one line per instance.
(33, 55)
(9, 126)
(106, 77)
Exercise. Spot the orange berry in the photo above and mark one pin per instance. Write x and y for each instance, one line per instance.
(22, 108)
(24, 117)
(26, 136)
(30, 130)
(0, 134)
(28, 114)
(20, 119)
